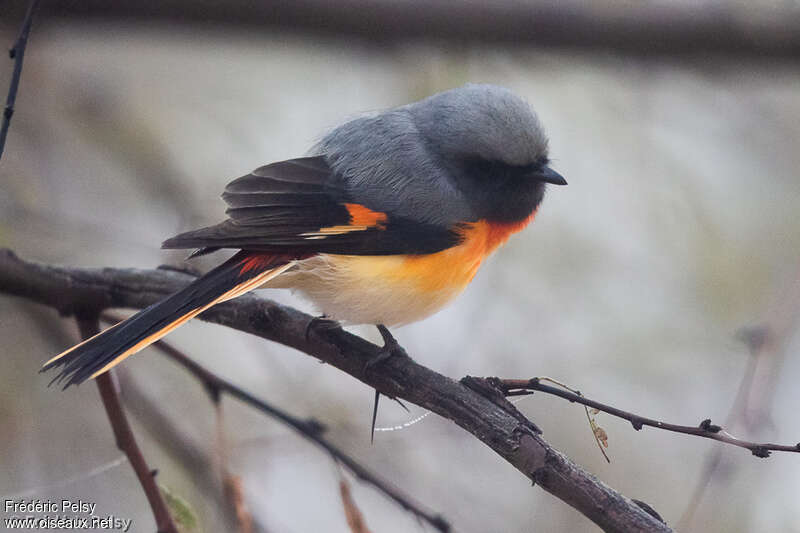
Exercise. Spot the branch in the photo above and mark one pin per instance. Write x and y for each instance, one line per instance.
(513, 387)
(637, 28)
(481, 411)
(17, 53)
(126, 441)
(310, 429)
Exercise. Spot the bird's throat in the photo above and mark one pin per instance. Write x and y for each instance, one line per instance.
(497, 233)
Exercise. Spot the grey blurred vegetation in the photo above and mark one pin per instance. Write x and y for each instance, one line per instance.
(679, 227)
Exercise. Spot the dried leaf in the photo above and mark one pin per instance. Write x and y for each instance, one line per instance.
(601, 435)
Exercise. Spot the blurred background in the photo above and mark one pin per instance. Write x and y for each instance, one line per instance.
(679, 228)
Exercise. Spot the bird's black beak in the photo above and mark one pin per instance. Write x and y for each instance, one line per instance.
(548, 175)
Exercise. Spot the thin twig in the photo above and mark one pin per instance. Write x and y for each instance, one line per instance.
(311, 430)
(17, 53)
(705, 429)
(126, 441)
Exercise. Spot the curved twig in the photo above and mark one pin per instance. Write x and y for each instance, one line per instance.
(515, 387)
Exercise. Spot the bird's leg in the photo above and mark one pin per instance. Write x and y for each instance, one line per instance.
(390, 348)
(320, 323)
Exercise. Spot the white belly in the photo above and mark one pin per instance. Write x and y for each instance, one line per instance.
(389, 290)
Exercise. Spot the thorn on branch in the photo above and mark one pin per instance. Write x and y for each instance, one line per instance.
(706, 425)
(315, 426)
(213, 391)
(761, 451)
(649, 510)
(755, 337)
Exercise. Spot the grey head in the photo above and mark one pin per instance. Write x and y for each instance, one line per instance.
(481, 121)
(474, 152)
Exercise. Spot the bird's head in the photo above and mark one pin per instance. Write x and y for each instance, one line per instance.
(494, 145)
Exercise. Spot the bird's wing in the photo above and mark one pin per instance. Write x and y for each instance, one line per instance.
(294, 206)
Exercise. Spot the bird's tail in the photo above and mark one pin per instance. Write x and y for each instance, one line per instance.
(240, 274)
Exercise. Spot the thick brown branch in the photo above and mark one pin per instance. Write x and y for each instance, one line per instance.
(705, 429)
(310, 429)
(484, 412)
(126, 442)
(639, 28)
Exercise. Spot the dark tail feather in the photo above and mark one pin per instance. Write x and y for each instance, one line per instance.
(240, 274)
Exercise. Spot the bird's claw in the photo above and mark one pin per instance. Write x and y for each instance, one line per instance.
(320, 323)
(390, 349)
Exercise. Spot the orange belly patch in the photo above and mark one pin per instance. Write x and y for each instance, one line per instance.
(455, 267)
(395, 289)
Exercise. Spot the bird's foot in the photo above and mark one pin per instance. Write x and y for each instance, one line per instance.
(390, 348)
(320, 323)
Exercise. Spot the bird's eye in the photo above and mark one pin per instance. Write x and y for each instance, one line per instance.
(499, 172)
(540, 163)
(485, 166)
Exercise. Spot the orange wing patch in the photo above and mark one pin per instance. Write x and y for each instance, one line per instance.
(364, 216)
(361, 219)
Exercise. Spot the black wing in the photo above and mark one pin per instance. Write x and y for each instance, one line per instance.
(294, 206)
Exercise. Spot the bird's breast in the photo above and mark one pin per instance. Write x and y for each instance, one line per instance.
(396, 289)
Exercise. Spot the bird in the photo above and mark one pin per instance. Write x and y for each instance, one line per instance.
(384, 222)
